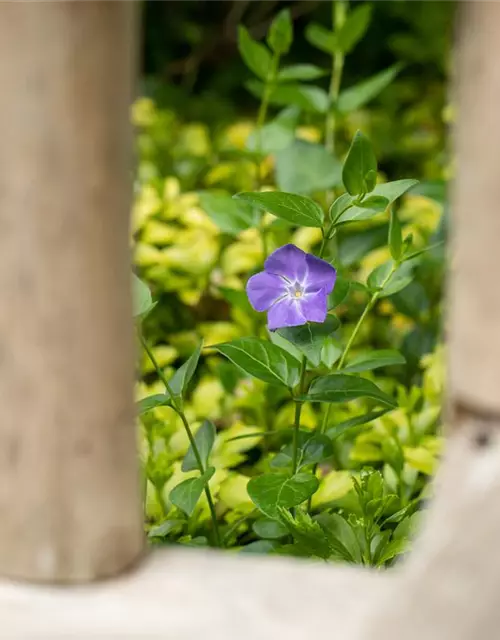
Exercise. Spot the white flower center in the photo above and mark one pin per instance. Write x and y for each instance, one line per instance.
(296, 290)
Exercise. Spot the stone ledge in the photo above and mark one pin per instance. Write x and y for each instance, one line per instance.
(188, 595)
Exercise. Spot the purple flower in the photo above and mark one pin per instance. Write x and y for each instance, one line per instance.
(293, 288)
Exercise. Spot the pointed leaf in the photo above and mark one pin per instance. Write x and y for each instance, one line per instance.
(229, 215)
(185, 495)
(166, 527)
(374, 360)
(310, 338)
(313, 448)
(420, 252)
(263, 360)
(338, 387)
(255, 55)
(204, 439)
(307, 533)
(339, 293)
(277, 134)
(301, 72)
(180, 379)
(343, 427)
(269, 529)
(305, 168)
(379, 279)
(354, 28)
(280, 34)
(362, 93)
(237, 298)
(321, 38)
(151, 402)
(359, 166)
(308, 98)
(272, 490)
(299, 210)
(330, 352)
(141, 298)
(340, 206)
(391, 191)
(341, 536)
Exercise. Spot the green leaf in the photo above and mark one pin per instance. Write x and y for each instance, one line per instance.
(230, 216)
(261, 547)
(354, 246)
(420, 252)
(351, 424)
(313, 448)
(359, 166)
(151, 402)
(166, 527)
(142, 302)
(395, 236)
(237, 298)
(305, 168)
(338, 387)
(180, 380)
(341, 536)
(331, 352)
(391, 191)
(280, 36)
(374, 360)
(363, 92)
(354, 28)
(272, 490)
(255, 55)
(263, 360)
(269, 529)
(307, 533)
(308, 98)
(185, 495)
(278, 340)
(301, 72)
(321, 38)
(204, 439)
(395, 189)
(339, 293)
(299, 210)
(310, 338)
(340, 206)
(378, 203)
(391, 550)
(400, 279)
(277, 134)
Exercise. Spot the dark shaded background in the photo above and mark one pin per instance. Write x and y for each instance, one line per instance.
(192, 45)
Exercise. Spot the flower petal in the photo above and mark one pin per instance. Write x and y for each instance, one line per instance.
(263, 289)
(320, 274)
(314, 306)
(285, 313)
(288, 261)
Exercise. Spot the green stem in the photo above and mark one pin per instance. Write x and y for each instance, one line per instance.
(298, 411)
(266, 96)
(261, 119)
(178, 409)
(368, 556)
(338, 19)
(355, 332)
(368, 308)
(328, 235)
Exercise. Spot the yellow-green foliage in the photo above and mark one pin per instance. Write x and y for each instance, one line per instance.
(182, 254)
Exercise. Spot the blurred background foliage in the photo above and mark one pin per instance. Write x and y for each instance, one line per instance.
(194, 119)
(192, 65)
